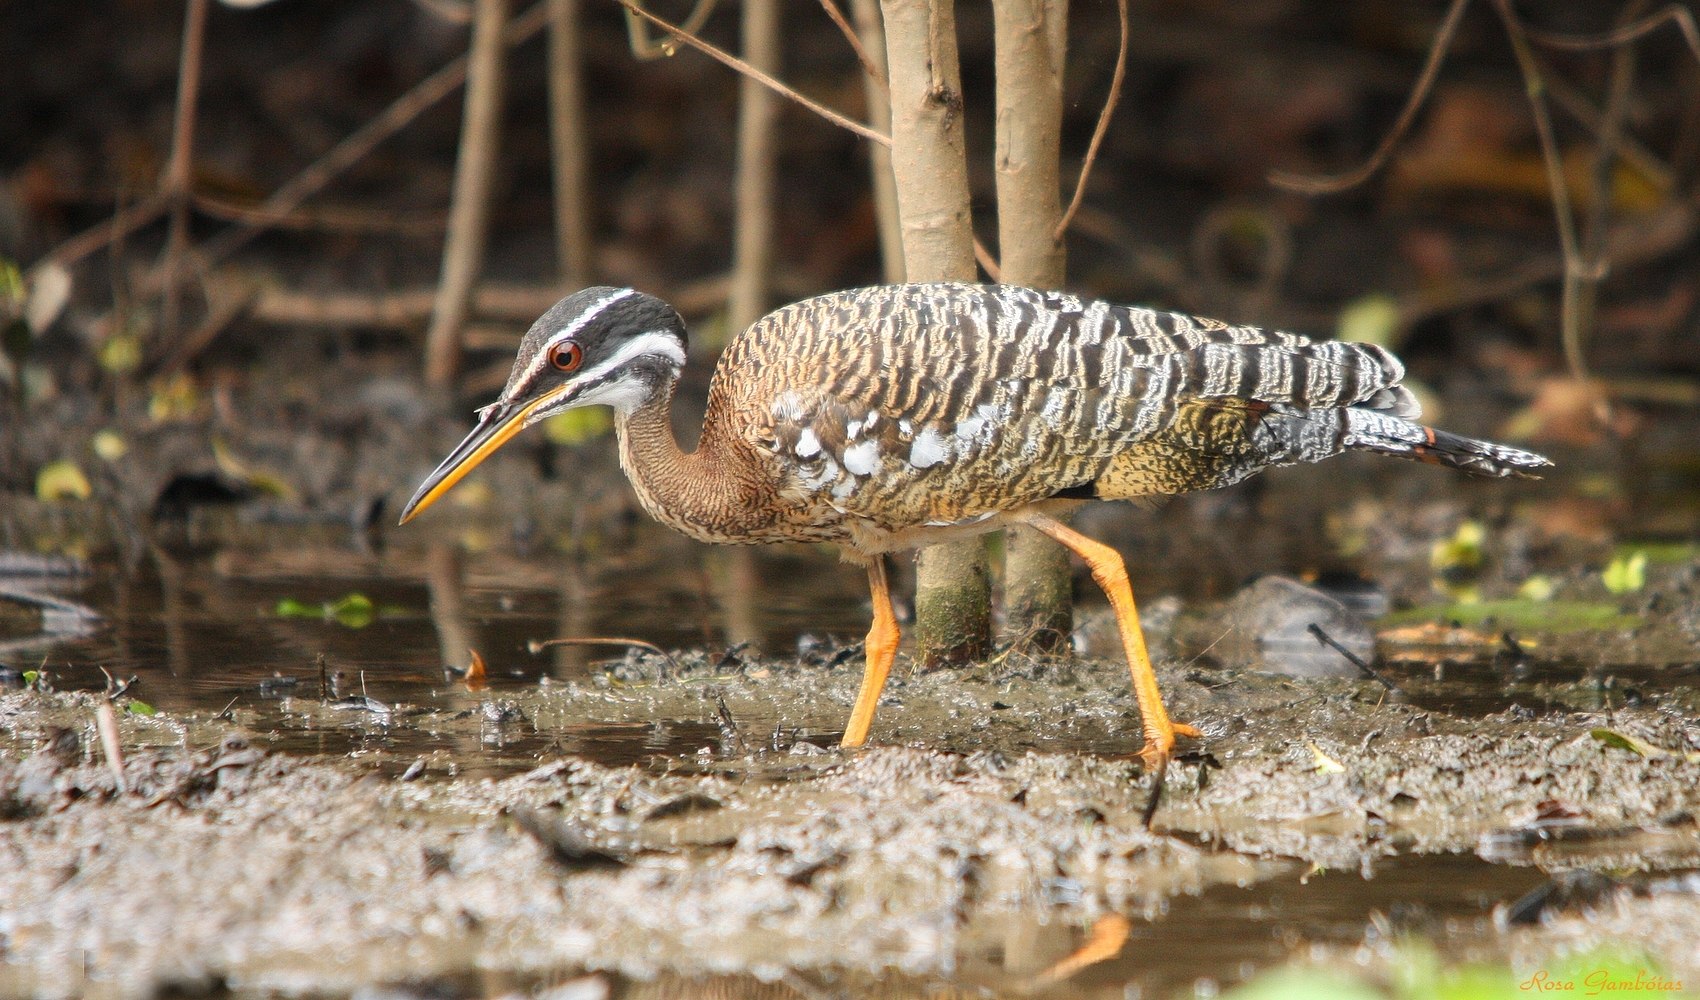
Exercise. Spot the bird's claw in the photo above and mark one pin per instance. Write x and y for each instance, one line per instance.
(1157, 752)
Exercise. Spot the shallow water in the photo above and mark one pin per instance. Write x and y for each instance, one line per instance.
(255, 633)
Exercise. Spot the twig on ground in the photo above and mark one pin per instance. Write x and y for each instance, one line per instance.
(536, 646)
(111, 230)
(1628, 244)
(330, 219)
(106, 723)
(1355, 659)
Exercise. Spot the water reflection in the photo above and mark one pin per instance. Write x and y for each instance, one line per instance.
(203, 631)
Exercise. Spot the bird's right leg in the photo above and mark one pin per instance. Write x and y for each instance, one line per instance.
(881, 647)
(1111, 574)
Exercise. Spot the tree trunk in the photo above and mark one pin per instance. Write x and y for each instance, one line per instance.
(469, 212)
(872, 32)
(569, 146)
(952, 589)
(1032, 45)
(752, 267)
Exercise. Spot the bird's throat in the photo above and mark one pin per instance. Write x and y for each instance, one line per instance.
(691, 491)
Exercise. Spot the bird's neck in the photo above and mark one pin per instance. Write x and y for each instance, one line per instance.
(708, 494)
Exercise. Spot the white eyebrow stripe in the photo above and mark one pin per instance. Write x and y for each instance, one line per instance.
(654, 342)
(579, 322)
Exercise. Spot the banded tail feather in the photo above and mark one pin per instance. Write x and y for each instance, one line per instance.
(1369, 430)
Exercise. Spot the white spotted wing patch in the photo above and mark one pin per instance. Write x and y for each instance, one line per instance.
(928, 449)
(808, 445)
(835, 453)
(862, 458)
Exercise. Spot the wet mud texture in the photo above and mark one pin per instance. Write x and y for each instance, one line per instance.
(770, 854)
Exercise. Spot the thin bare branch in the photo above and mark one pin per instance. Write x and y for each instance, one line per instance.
(1681, 16)
(1575, 267)
(874, 73)
(329, 218)
(870, 27)
(1333, 183)
(457, 12)
(1103, 126)
(646, 49)
(1601, 177)
(351, 150)
(110, 230)
(745, 68)
(1628, 245)
(179, 169)
(1573, 102)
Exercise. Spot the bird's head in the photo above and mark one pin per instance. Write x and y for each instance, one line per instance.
(612, 346)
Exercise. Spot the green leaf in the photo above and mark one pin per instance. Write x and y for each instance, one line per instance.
(31, 677)
(1521, 614)
(121, 354)
(1614, 970)
(109, 445)
(1537, 588)
(135, 707)
(353, 610)
(61, 480)
(1461, 552)
(289, 607)
(1624, 741)
(1373, 319)
(11, 283)
(1304, 984)
(575, 427)
(1626, 574)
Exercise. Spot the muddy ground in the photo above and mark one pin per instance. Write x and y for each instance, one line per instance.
(770, 856)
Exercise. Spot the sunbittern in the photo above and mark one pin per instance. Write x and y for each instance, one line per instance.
(892, 417)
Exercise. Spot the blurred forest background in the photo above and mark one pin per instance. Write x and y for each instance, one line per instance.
(281, 352)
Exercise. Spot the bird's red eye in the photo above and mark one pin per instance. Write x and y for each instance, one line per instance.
(566, 357)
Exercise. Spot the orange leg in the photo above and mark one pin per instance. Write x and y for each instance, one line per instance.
(881, 646)
(1111, 574)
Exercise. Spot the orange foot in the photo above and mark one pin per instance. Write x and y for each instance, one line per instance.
(1156, 752)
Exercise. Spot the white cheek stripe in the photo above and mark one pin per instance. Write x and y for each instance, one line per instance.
(571, 330)
(623, 394)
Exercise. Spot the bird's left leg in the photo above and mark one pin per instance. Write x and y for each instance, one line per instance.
(1111, 574)
(881, 648)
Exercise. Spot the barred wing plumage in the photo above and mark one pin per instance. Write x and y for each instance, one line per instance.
(936, 403)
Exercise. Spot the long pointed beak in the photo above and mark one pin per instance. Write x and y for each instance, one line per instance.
(496, 424)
